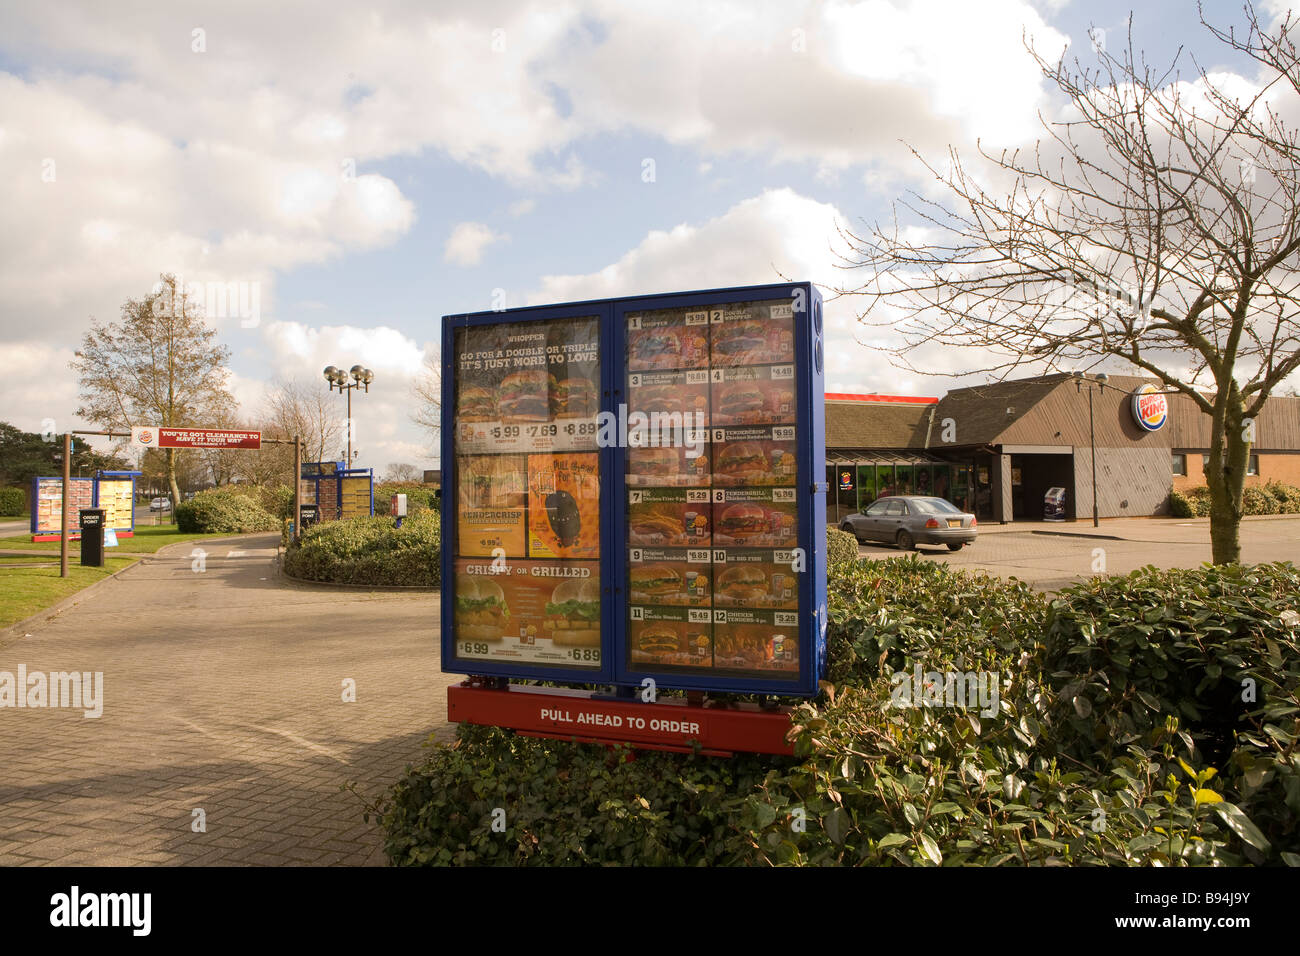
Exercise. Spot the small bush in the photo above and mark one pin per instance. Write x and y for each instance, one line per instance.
(370, 551)
(1287, 497)
(277, 501)
(13, 501)
(228, 510)
(1180, 506)
(841, 547)
(1258, 501)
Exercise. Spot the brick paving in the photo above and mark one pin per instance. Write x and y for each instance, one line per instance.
(222, 692)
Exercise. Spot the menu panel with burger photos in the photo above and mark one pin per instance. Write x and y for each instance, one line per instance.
(712, 516)
(527, 562)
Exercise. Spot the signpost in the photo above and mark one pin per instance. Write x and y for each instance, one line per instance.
(635, 496)
(152, 436)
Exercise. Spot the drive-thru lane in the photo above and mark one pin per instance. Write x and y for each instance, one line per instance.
(223, 693)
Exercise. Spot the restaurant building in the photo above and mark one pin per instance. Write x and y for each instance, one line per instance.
(996, 449)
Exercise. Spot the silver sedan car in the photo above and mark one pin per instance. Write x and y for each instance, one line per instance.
(911, 520)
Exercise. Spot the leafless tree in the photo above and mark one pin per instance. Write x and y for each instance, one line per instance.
(295, 407)
(1156, 222)
(158, 366)
(401, 471)
(427, 390)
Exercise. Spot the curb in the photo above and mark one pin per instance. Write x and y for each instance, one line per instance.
(7, 634)
(1080, 534)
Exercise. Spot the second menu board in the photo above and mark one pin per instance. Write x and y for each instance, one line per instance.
(711, 473)
(528, 509)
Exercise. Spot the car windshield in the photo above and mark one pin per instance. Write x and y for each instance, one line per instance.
(934, 506)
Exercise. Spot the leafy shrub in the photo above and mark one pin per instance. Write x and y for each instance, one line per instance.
(13, 501)
(1180, 506)
(1258, 501)
(418, 497)
(1269, 499)
(277, 501)
(228, 510)
(841, 547)
(1287, 497)
(879, 784)
(370, 551)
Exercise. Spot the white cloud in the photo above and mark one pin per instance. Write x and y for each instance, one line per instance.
(522, 207)
(468, 241)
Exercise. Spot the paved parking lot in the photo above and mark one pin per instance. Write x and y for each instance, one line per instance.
(223, 692)
(1051, 556)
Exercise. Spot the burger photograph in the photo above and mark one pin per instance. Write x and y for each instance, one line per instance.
(678, 584)
(481, 611)
(524, 396)
(573, 613)
(669, 644)
(666, 466)
(753, 524)
(476, 404)
(759, 584)
(752, 342)
(752, 402)
(573, 397)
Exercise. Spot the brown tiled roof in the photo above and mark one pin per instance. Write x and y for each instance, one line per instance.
(876, 425)
(984, 412)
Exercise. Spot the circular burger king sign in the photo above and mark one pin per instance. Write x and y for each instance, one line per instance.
(145, 436)
(1150, 408)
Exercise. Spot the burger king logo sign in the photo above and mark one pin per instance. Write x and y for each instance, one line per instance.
(144, 436)
(1150, 408)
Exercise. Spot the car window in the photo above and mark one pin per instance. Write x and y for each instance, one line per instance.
(934, 506)
(896, 507)
(877, 508)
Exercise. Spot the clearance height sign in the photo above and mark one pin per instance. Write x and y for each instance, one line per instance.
(634, 488)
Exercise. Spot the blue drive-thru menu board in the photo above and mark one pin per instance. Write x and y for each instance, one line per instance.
(635, 488)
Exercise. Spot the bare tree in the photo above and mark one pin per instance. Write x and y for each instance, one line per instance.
(1157, 222)
(158, 366)
(401, 471)
(304, 409)
(427, 390)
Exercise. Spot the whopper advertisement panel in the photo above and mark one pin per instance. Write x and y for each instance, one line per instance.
(635, 485)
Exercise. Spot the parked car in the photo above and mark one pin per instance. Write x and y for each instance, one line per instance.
(160, 504)
(909, 520)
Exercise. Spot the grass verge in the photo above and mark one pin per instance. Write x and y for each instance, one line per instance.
(25, 590)
(146, 540)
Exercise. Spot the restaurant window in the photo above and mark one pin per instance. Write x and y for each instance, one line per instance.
(1180, 464)
(1252, 465)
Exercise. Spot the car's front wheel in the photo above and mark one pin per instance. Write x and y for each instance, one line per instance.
(848, 529)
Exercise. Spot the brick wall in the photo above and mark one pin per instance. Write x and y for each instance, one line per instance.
(1273, 466)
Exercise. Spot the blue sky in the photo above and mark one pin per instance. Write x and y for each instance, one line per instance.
(526, 125)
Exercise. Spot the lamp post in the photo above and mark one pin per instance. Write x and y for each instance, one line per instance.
(338, 379)
(1100, 381)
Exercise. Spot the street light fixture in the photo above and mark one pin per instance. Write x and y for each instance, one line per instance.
(338, 379)
(1097, 383)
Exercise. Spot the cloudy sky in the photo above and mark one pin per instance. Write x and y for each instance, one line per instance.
(368, 168)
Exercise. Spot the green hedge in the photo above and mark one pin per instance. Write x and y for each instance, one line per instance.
(1110, 703)
(13, 501)
(370, 551)
(1273, 498)
(841, 547)
(228, 510)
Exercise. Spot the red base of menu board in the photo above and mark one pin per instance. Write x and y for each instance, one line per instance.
(674, 724)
